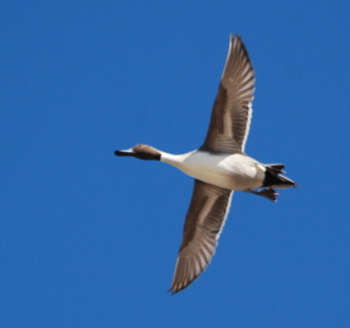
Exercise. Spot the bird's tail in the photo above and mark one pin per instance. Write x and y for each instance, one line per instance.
(274, 178)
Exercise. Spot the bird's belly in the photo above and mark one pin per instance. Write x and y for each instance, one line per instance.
(234, 172)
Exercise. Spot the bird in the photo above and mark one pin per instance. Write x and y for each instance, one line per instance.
(219, 167)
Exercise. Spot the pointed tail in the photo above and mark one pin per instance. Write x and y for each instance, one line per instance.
(274, 178)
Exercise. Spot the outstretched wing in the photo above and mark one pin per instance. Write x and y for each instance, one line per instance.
(232, 110)
(204, 222)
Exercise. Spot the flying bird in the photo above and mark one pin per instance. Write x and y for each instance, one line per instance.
(218, 167)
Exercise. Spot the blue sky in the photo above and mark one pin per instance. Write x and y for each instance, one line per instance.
(90, 240)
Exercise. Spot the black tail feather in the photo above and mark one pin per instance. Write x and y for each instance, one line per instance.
(275, 169)
(273, 178)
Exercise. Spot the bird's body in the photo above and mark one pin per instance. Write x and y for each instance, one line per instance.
(219, 167)
(230, 171)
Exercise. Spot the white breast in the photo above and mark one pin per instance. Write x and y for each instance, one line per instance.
(234, 172)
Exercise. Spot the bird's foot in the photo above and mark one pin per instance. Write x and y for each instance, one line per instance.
(268, 193)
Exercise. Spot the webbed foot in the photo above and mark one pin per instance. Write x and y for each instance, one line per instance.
(268, 193)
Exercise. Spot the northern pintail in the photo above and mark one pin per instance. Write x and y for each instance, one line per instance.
(219, 167)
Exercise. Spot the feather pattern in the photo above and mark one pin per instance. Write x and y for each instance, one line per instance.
(232, 110)
(204, 222)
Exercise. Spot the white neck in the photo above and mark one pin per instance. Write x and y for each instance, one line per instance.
(174, 160)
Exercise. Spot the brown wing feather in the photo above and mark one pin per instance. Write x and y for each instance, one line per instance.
(231, 113)
(204, 222)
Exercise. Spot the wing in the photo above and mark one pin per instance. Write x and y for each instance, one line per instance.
(232, 110)
(204, 222)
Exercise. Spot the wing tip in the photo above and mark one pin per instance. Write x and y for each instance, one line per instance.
(235, 39)
(179, 286)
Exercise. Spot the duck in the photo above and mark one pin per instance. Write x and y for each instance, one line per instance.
(219, 167)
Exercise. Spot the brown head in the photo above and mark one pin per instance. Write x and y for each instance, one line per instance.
(140, 151)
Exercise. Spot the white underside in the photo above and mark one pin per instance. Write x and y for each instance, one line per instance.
(233, 171)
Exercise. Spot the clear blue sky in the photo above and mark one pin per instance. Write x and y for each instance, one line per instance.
(90, 240)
